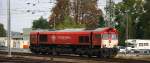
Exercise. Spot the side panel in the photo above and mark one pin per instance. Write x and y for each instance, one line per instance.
(84, 39)
(51, 38)
(42, 38)
(72, 38)
(96, 39)
(64, 38)
(34, 38)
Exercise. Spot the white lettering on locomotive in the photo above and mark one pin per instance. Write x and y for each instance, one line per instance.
(64, 37)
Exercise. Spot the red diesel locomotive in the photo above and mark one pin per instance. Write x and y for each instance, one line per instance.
(100, 42)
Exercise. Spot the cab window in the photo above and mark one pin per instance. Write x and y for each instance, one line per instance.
(114, 36)
(105, 36)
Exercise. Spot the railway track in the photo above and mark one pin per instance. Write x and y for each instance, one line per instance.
(67, 58)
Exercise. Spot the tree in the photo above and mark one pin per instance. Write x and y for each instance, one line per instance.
(127, 13)
(41, 23)
(144, 24)
(101, 22)
(86, 12)
(69, 23)
(121, 29)
(81, 12)
(59, 12)
(2, 31)
(131, 10)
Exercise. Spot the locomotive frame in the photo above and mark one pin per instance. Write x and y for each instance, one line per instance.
(100, 42)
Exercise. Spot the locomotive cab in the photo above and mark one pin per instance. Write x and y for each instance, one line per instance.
(105, 37)
(109, 40)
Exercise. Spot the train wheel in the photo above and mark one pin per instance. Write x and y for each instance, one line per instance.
(104, 53)
(79, 52)
(49, 51)
(54, 52)
(110, 53)
(37, 51)
(80, 55)
(114, 52)
(99, 55)
(44, 50)
(89, 54)
(33, 51)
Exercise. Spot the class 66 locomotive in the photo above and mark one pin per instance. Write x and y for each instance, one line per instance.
(100, 42)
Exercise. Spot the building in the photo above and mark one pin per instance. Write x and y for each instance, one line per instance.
(26, 33)
(16, 42)
(138, 45)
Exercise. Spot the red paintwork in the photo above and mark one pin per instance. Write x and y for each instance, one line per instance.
(33, 38)
(72, 38)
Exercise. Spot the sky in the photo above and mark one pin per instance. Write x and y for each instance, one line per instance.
(23, 12)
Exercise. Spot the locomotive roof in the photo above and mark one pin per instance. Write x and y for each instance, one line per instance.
(101, 29)
(73, 30)
(81, 29)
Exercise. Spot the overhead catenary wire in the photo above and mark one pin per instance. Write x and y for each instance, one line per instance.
(37, 8)
(31, 9)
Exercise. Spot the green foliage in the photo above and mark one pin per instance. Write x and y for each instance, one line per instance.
(144, 24)
(101, 22)
(2, 31)
(81, 13)
(128, 12)
(41, 23)
(68, 23)
(121, 36)
(121, 27)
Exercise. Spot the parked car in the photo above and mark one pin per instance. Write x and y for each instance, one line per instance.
(122, 49)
